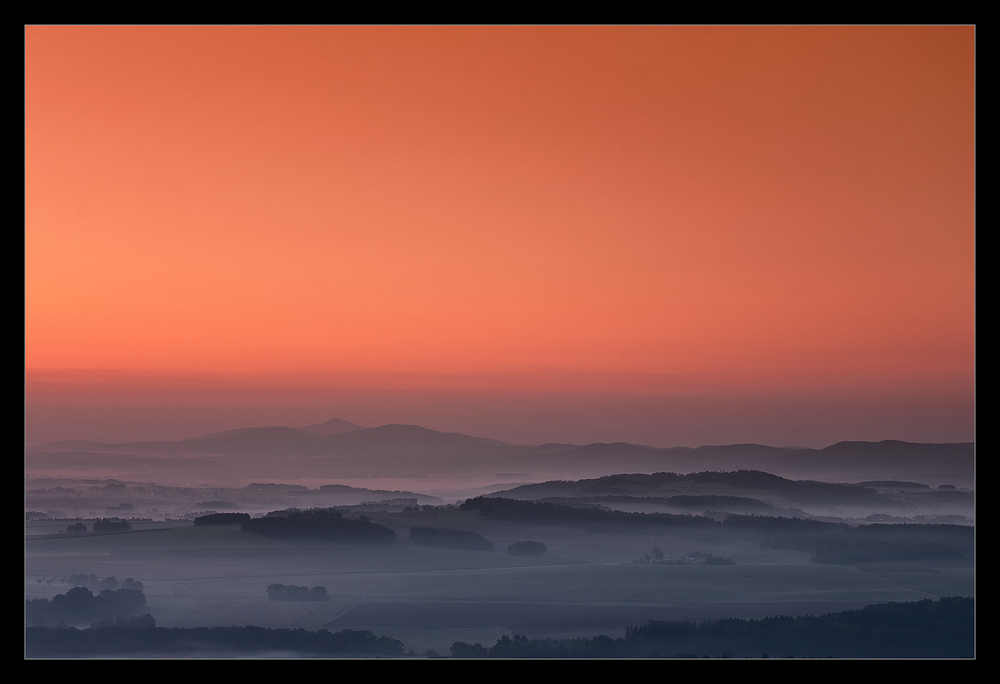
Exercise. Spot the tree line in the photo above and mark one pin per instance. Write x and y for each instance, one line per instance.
(830, 542)
(920, 629)
(324, 525)
(290, 592)
(41, 642)
(79, 605)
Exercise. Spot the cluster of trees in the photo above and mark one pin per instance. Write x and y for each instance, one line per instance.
(41, 642)
(709, 559)
(693, 558)
(921, 629)
(95, 583)
(290, 592)
(527, 548)
(834, 543)
(222, 519)
(129, 621)
(452, 539)
(716, 560)
(79, 606)
(76, 528)
(323, 525)
(657, 557)
(111, 525)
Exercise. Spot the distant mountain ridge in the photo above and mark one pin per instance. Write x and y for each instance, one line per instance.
(334, 426)
(411, 449)
(385, 440)
(331, 427)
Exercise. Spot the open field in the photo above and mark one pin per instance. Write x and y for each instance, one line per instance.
(429, 597)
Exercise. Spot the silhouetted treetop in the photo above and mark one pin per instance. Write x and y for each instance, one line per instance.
(222, 519)
(321, 525)
(527, 548)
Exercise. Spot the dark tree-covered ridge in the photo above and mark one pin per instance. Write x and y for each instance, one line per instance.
(222, 519)
(322, 525)
(700, 501)
(643, 484)
(921, 629)
(41, 642)
(527, 548)
(111, 525)
(513, 510)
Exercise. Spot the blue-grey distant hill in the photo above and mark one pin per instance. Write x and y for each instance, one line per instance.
(844, 461)
(663, 488)
(340, 448)
(334, 426)
(331, 427)
(387, 440)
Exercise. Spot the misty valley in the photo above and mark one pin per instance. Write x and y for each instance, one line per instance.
(741, 558)
(691, 310)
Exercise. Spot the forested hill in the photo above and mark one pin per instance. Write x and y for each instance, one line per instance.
(657, 483)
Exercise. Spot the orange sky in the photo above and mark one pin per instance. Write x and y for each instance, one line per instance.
(609, 209)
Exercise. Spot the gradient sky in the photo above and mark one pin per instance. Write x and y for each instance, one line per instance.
(425, 214)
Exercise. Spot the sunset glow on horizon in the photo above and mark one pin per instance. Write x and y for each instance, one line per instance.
(630, 210)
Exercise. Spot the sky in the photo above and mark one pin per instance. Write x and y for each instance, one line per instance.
(663, 235)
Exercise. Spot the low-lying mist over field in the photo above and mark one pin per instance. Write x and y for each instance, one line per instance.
(491, 549)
